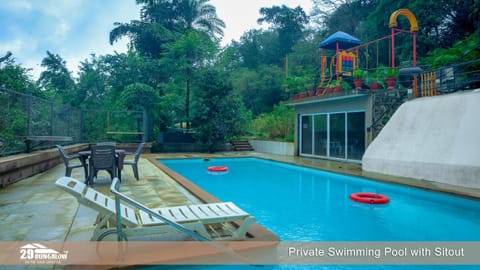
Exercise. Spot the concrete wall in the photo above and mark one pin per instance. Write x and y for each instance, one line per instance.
(436, 139)
(272, 147)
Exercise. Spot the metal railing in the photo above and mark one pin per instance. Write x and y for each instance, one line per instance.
(114, 188)
(430, 81)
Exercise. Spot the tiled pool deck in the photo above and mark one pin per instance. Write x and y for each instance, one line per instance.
(34, 209)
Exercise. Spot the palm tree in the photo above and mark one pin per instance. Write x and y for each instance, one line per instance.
(162, 21)
(183, 15)
(201, 16)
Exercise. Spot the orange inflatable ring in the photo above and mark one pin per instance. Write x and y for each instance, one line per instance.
(371, 198)
(217, 169)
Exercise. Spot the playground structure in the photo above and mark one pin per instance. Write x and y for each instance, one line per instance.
(345, 65)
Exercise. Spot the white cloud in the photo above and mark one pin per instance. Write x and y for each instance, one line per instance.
(68, 10)
(240, 16)
(61, 31)
(16, 5)
(15, 45)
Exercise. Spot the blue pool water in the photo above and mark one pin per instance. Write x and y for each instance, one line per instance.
(302, 204)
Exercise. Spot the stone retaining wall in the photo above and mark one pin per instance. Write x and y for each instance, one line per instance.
(273, 147)
(17, 167)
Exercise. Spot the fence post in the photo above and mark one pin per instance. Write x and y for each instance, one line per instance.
(145, 126)
(415, 86)
(81, 125)
(29, 114)
(51, 119)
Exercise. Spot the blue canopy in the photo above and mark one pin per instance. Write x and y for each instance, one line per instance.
(345, 41)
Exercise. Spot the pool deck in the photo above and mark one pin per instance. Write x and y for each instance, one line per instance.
(34, 209)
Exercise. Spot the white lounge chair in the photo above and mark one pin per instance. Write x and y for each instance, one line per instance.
(137, 223)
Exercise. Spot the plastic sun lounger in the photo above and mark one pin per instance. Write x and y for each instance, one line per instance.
(138, 223)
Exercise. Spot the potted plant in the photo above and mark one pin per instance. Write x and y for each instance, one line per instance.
(337, 87)
(320, 91)
(358, 78)
(373, 79)
(391, 77)
(330, 88)
(374, 85)
(346, 86)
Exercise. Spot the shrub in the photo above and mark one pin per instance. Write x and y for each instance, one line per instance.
(277, 125)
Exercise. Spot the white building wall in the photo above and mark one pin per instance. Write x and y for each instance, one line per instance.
(435, 138)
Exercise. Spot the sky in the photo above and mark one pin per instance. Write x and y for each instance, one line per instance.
(75, 29)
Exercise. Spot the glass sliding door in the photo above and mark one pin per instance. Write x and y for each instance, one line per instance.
(355, 135)
(306, 129)
(320, 135)
(337, 135)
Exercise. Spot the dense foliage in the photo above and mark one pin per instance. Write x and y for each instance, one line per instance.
(278, 125)
(177, 72)
(218, 112)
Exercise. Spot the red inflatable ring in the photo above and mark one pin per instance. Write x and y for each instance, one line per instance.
(367, 197)
(217, 169)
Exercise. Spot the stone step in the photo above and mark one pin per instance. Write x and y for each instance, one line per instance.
(242, 146)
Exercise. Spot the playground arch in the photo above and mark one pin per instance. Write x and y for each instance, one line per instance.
(407, 13)
(413, 30)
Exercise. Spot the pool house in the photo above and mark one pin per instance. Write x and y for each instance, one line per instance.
(341, 126)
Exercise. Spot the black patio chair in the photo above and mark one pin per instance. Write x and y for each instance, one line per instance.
(134, 162)
(107, 143)
(102, 157)
(66, 160)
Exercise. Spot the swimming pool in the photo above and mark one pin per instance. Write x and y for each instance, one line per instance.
(303, 204)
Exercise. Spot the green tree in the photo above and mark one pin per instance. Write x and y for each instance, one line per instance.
(13, 122)
(161, 19)
(260, 89)
(92, 85)
(187, 55)
(141, 97)
(218, 114)
(56, 80)
(462, 51)
(15, 77)
(289, 23)
(147, 38)
(131, 67)
(257, 47)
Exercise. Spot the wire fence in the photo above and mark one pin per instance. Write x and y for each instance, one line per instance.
(30, 123)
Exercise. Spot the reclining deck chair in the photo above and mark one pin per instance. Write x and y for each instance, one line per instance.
(138, 223)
